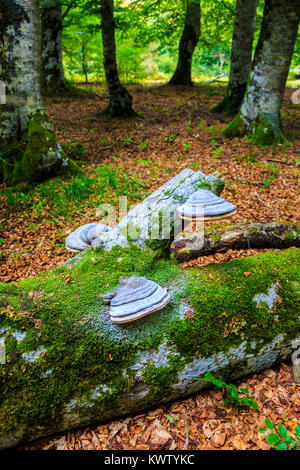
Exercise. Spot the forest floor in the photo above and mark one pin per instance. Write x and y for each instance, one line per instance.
(174, 130)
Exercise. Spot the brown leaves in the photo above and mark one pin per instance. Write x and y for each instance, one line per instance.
(212, 424)
(67, 278)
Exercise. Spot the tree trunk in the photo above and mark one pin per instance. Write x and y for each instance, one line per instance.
(188, 42)
(120, 100)
(259, 115)
(53, 78)
(241, 53)
(237, 237)
(29, 150)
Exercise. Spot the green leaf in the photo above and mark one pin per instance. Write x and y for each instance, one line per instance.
(272, 439)
(297, 430)
(282, 431)
(290, 440)
(262, 430)
(281, 446)
(233, 394)
(171, 419)
(269, 424)
(244, 390)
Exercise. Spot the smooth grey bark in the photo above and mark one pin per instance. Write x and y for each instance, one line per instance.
(188, 42)
(259, 115)
(120, 100)
(53, 77)
(28, 146)
(237, 237)
(241, 54)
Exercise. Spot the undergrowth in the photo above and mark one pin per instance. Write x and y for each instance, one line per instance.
(59, 197)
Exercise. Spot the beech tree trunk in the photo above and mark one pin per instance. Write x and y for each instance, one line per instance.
(259, 115)
(237, 237)
(120, 100)
(188, 42)
(241, 54)
(28, 147)
(53, 77)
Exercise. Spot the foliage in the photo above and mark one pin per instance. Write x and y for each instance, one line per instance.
(231, 392)
(280, 439)
(147, 39)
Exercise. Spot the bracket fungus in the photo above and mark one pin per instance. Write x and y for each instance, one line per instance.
(205, 205)
(84, 236)
(134, 298)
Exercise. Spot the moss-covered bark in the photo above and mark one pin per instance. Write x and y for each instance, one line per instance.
(53, 78)
(259, 115)
(241, 53)
(216, 239)
(28, 147)
(120, 100)
(68, 365)
(188, 42)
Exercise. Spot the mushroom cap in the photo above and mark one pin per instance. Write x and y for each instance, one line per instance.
(204, 204)
(83, 236)
(134, 298)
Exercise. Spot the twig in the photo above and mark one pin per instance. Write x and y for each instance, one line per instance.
(228, 8)
(279, 161)
(186, 431)
(110, 146)
(216, 78)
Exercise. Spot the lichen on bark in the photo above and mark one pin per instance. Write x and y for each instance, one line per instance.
(28, 147)
(259, 115)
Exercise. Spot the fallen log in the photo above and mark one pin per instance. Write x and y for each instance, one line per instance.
(216, 239)
(67, 365)
(154, 219)
(64, 363)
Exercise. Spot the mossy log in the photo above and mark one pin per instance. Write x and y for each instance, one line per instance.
(65, 364)
(216, 239)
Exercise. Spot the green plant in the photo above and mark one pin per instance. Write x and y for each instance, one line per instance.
(231, 392)
(279, 438)
(170, 138)
(143, 145)
(186, 147)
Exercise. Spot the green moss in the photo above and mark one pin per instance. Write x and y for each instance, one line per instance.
(38, 155)
(83, 350)
(290, 235)
(235, 128)
(215, 237)
(262, 132)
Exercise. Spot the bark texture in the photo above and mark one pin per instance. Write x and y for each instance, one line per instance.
(28, 147)
(53, 77)
(259, 115)
(120, 100)
(188, 42)
(241, 54)
(237, 237)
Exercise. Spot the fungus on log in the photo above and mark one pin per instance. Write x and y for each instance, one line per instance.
(64, 363)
